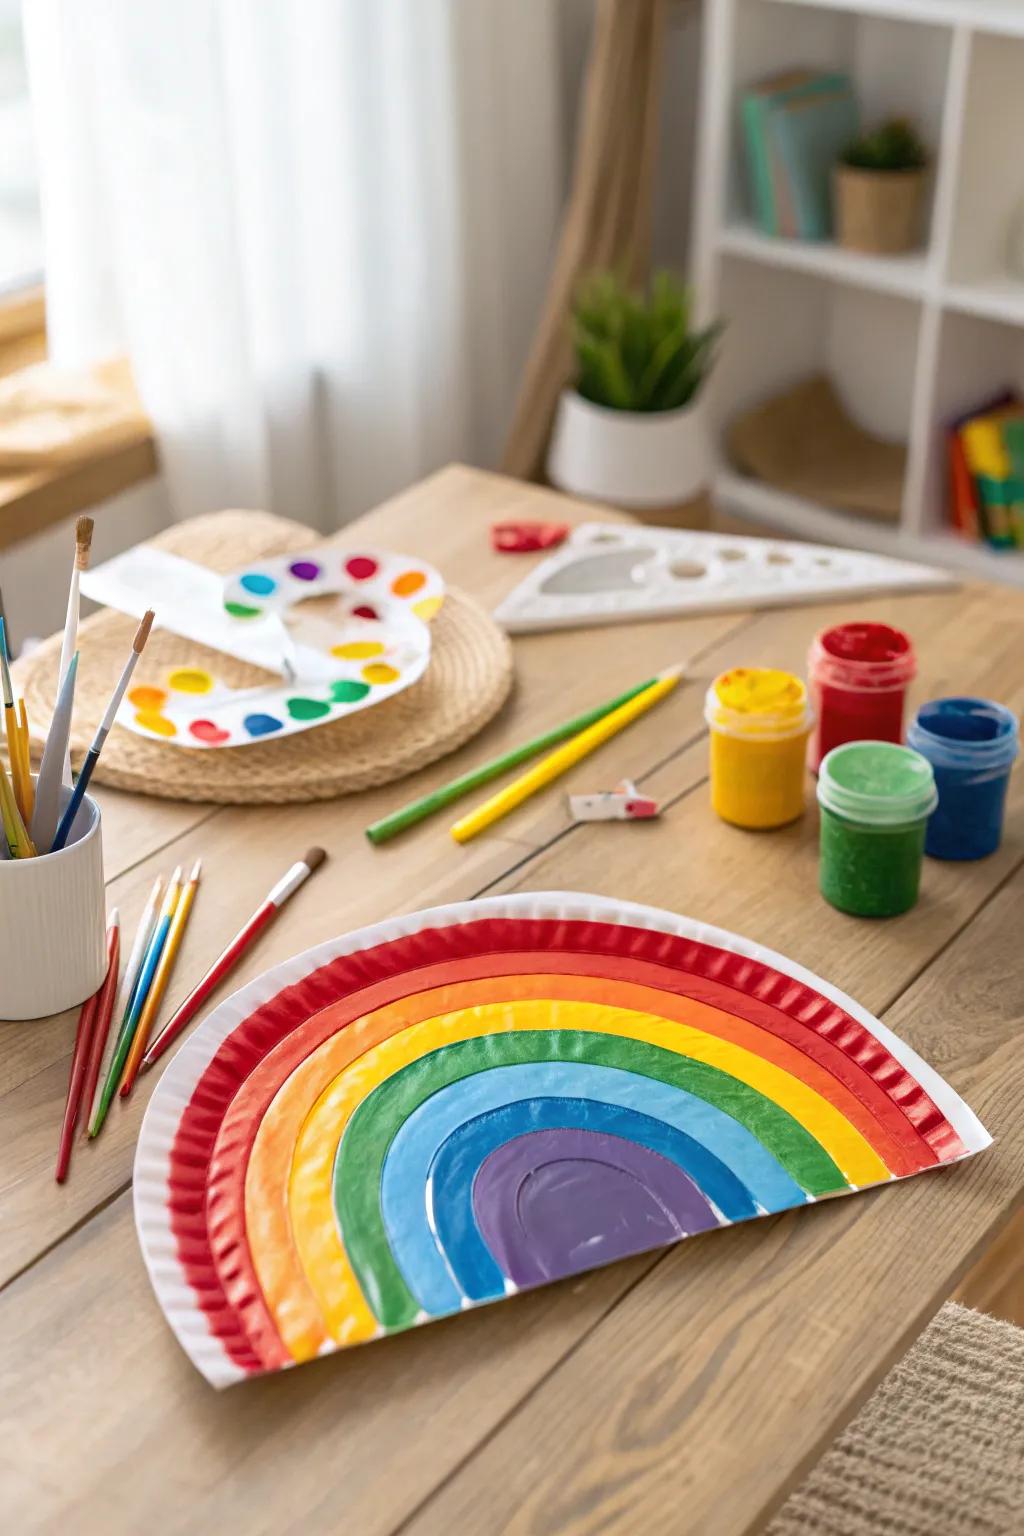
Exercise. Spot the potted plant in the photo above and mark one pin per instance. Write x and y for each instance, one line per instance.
(631, 430)
(879, 190)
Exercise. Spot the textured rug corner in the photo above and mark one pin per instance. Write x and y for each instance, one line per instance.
(937, 1451)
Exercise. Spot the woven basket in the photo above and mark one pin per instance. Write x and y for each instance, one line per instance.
(465, 685)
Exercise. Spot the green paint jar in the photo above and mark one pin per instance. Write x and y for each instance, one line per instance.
(875, 800)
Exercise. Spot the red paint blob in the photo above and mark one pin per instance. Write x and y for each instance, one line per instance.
(361, 567)
(364, 611)
(526, 538)
(208, 731)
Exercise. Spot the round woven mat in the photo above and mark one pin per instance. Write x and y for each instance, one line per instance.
(465, 685)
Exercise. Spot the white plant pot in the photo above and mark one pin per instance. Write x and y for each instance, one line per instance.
(634, 459)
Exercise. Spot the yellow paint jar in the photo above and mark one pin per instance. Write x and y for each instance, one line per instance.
(760, 719)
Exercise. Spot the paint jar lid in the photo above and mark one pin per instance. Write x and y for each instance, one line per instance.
(762, 703)
(862, 656)
(877, 783)
(974, 734)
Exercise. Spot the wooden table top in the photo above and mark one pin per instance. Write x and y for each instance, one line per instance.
(686, 1390)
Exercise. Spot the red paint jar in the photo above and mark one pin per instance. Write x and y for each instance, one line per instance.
(858, 682)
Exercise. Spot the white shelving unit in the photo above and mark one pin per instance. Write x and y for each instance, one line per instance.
(911, 341)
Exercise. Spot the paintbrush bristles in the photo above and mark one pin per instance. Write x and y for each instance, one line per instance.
(313, 858)
(142, 633)
(83, 542)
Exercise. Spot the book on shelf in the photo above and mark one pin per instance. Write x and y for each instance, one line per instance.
(796, 125)
(993, 452)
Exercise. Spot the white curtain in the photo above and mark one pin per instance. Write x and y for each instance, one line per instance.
(320, 229)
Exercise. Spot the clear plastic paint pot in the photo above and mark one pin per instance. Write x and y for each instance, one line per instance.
(875, 799)
(858, 681)
(971, 745)
(760, 719)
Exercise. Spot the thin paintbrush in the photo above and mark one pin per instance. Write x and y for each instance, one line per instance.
(161, 976)
(69, 644)
(26, 763)
(76, 1081)
(275, 899)
(140, 944)
(138, 1002)
(21, 844)
(6, 621)
(11, 730)
(82, 782)
(101, 1023)
(48, 784)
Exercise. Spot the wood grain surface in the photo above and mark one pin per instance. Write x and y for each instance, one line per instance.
(684, 1391)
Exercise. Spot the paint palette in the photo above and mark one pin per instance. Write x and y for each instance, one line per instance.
(443, 1109)
(366, 638)
(607, 574)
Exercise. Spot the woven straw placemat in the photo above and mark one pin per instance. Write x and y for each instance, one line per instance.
(466, 683)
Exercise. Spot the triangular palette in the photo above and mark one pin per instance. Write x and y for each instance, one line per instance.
(607, 573)
(443, 1109)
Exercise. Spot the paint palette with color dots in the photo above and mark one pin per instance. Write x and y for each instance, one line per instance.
(375, 644)
(606, 574)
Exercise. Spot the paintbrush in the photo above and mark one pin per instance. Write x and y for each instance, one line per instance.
(82, 782)
(14, 828)
(6, 621)
(69, 644)
(49, 784)
(11, 731)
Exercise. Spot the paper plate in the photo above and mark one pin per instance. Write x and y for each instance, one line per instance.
(443, 1109)
(375, 643)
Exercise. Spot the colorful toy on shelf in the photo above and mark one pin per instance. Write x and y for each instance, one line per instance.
(448, 1107)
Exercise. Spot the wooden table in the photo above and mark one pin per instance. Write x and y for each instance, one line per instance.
(684, 1391)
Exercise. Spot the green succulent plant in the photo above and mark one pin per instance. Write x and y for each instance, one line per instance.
(895, 145)
(636, 351)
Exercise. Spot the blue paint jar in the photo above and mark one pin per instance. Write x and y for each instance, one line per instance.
(971, 745)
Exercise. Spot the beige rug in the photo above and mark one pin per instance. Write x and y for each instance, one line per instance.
(937, 1451)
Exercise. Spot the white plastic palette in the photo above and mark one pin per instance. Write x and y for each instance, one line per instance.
(606, 574)
(378, 646)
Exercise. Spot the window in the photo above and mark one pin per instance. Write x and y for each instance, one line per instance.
(20, 228)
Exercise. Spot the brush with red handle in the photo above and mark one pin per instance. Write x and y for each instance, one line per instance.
(225, 963)
(88, 1022)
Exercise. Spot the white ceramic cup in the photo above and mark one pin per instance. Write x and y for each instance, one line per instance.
(52, 923)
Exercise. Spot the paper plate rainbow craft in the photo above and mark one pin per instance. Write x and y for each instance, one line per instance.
(379, 646)
(443, 1109)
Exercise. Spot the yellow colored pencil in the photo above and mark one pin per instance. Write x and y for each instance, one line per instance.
(158, 987)
(21, 844)
(563, 758)
(26, 764)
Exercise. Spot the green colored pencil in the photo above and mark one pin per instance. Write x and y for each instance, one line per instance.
(389, 826)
